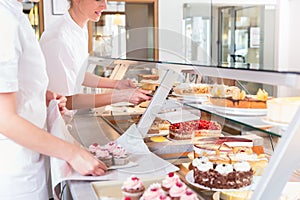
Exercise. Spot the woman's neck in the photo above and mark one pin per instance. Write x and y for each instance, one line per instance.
(78, 17)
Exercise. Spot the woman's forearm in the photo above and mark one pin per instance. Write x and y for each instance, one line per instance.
(94, 81)
(28, 135)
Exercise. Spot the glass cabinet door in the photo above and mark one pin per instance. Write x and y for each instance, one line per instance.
(243, 36)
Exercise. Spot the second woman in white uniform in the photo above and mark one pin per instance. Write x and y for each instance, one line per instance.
(23, 84)
(65, 46)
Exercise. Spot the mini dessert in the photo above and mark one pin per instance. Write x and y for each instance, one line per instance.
(177, 190)
(277, 109)
(110, 146)
(104, 156)
(236, 195)
(170, 180)
(144, 104)
(149, 84)
(222, 145)
(191, 89)
(194, 129)
(257, 162)
(189, 195)
(93, 148)
(158, 126)
(235, 98)
(154, 192)
(120, 156)
(222, 176)
(133, 188)
(147, 77)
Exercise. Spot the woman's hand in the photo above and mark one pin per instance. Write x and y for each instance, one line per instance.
(85, 163)
(62, 101)
(134, 96)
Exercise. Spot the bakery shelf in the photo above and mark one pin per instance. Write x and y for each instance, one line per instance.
(255, 122)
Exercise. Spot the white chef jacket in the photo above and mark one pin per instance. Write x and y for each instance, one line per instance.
(22, 70)
(65, 47)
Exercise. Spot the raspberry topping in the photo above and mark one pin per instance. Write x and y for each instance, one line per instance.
(95, 144)
(188, 192)
(135, 178)
(171, 174)
(178, 184)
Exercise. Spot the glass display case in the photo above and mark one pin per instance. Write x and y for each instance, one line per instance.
(214, 95)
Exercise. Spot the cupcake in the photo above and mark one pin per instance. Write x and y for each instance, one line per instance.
(110, 146)
(177, 190)
(93, 148)
(153, 192)
(120, 156)
(104, 156)
(164, 197)
(169, 181)
(189, 195)
(133, 188)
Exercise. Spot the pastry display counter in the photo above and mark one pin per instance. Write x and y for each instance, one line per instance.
(250, 123)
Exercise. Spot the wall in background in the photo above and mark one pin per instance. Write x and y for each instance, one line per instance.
(49, 17)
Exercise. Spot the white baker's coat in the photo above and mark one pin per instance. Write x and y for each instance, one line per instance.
(65, 47)
(22, 70)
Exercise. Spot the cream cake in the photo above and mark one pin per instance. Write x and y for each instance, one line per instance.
(233, 97)
(282, 110)
(221, 176)
(194, 129)
(231, 150)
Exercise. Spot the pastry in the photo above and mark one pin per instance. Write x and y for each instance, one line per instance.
(277, 109)
(154, 192)
(177, 190)
(233, 97)
(194, 129)
(170, 180)
(133, 188)
(221, 176)
(120, 156)
(189, 195)
(104, 156)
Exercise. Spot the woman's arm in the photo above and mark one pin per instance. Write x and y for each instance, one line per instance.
(134, 96)
(28, 135)
(92, 80)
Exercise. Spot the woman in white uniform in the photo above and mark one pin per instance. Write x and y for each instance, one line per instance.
(23, 84)
(65, 47)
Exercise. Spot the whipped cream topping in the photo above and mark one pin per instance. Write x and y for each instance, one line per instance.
(94, 147)
(133, 182)
(218, 90)
(189, 195)
(246, 157)
(202, 165)
(242, 166)
(110, 146)
(224, 168)
(119, 152)
(178, 189)
(102, 153)
(170, 180)
(153, 192)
